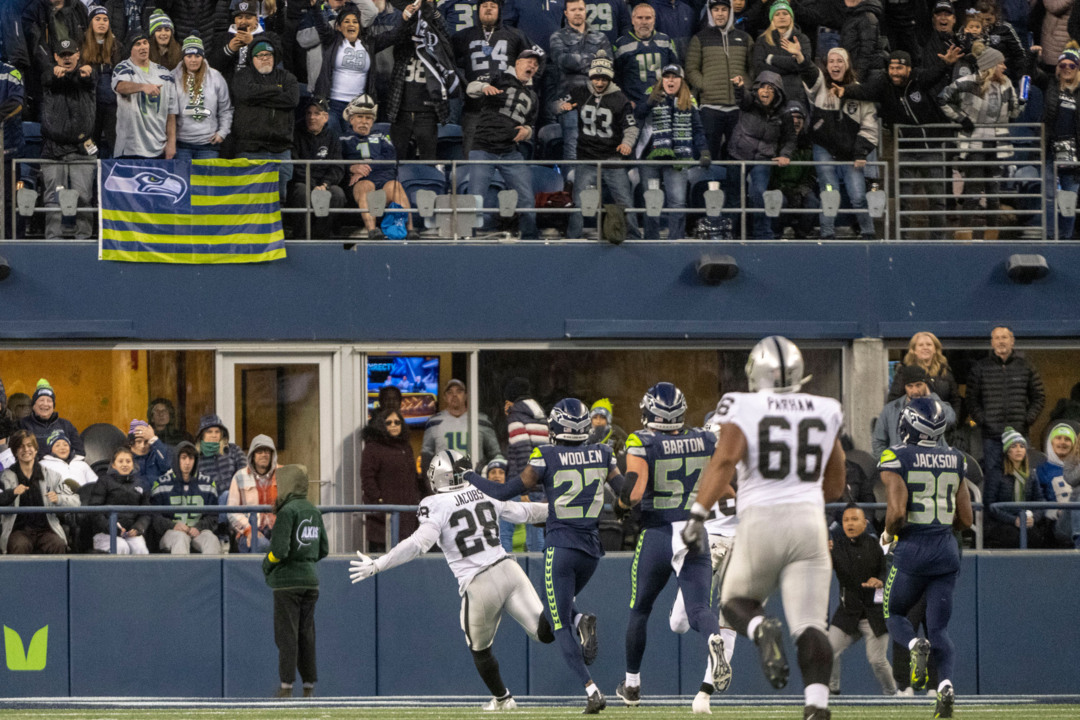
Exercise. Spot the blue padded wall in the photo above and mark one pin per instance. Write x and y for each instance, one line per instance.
(34, 594)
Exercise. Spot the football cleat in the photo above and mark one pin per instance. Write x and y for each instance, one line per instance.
(309, 692)
(920, 655)
(497, 704)
(283, 692)
(630, 695)
(700, 705)
(587, 633)
(813, 712)
(769, 639)
(721, 670)
(595, 704)
(945, 698)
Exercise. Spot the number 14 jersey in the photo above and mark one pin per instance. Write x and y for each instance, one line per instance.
(573, 478)
(789, 438)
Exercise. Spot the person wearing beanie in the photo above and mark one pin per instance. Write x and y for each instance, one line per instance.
(797, 183)
(183, 484)
(773, 51)
(43, 419)
(495, 471)
(886, 431)
(102, 49)
(526, 427)
(206, 110)
(1058, 477)
(924, 349)
(151, 454)
(164, 48)
(715, 56)
(232, 48)
(448, 429)
(576, 45)
(983, 98)
(1016, 483)
(1060, 93)
(604, 430)
(65, 462)
(145, 128)
(843, 130)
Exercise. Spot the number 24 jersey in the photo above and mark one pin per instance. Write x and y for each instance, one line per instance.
(789, 438)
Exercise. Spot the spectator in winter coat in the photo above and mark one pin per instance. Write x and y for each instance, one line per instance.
(362, 144)
(67, 125)
(219, 459)
(860, 35)
(1016, 483)
(573, 48)
(28, 483)
(1002, 36)
(602, 98)
(671, 130)
(189, 17)
(183, 485)
(101, 50)
(1057, 478)
(716, 55)
(314, 140)
(206, 112)
(844, 131)
(151, 454)
(65, 462)
(1062, 132)
(121, 485)
(678, 20)
(764, 132)
(12, 101)
(772, 51)
(887, 428)
(937, 43)
(43, 418)
(162, 417)
(147, 105)
(266, 98)
(641, 54)
(388, 474)
(1002, 390)
(164, 48)
(233, 48)
(1055, 31)
(47, 23)
(527, 428)
(925, 350)
(797, 183)
(255, 484)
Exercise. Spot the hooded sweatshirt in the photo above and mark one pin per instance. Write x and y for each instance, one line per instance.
(763, 131)
(174, 489)
(222, 465)
(714, 57)
(250, 488)
(598, 140)
(1057, 476)
(299, 539)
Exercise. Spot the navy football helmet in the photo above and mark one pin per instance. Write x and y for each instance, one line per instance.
(922, 422)
(569, 422)
(663, 407)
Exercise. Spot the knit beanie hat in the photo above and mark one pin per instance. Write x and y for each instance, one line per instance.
(1071, 52)
(780, 5)
(136, 424)
(988, 59)
(43, 389)
(1063, 430)
(193, 45)
(842, 52)
(603, 408)
(159, 20)
(54, 437)
(1011, 437)
(263, 46)
(96, 10)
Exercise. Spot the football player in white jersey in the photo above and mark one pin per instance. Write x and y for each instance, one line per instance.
(465, 524)
(784, 445)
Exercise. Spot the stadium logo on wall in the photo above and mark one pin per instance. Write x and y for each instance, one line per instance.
(135, 180)
(31, 659)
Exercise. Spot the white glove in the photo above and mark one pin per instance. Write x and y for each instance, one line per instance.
(718, 548)
(363, 568)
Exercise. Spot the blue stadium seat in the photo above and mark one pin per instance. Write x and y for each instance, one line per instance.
(421, 177)
(549, 142)
(382, 127)
(547, 179)
(449, 146)
(32, 137)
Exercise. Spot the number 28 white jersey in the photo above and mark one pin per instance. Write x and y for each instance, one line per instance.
(465, 524)
(789, 438)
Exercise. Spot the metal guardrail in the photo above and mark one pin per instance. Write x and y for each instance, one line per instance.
(1072, 506)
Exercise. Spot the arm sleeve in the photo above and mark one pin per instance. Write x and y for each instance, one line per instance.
(410, 548)
(513, 488)
(867, 139)
(524, 512)
(280, 538)
(949, 100)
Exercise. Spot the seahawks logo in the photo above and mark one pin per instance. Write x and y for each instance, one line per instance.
(139, 180)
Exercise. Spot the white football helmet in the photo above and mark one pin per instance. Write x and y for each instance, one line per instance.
(775, 365)
(447, 471)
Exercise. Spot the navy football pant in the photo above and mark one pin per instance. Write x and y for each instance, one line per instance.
(566, 572)
(649, 574)
(902, 592)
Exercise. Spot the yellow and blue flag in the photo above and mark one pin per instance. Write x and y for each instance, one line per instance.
(198, 211)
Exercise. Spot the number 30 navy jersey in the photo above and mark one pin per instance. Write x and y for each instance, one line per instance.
(676, 461)
(573, 478)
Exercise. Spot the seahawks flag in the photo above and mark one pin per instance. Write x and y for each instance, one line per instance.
(199, 211)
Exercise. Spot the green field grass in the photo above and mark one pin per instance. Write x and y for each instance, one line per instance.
(310, 711)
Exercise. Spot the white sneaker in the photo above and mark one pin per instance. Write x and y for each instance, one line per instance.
(721, 671)
(701, 704)
(495, 704)
(906, 692)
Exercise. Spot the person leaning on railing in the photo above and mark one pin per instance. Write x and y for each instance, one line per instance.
(1016, 483)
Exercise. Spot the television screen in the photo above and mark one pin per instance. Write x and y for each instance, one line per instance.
(417, 377)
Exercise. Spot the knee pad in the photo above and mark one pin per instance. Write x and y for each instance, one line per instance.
(543, 630)
(815, 656)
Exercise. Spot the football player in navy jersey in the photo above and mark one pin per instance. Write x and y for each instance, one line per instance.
(927, 499)
(663, 467)
(572, 473)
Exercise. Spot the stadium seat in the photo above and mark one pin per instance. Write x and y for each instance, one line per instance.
(546, 179)
(32, 138)
(100, 440)
(381, 127)
(549, 142)
(422, 177)
(449, 146)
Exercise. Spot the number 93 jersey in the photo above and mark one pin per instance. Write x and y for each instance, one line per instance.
(675, 464)
(467, 523)
(932, 476)
(573, 478)
(789, 438)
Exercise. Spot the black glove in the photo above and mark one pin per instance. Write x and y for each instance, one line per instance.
(621, 511)
(967, 125)
(462, 464)
(705, 160)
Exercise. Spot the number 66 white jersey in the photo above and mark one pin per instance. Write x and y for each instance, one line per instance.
(465, 524)
(789, 438)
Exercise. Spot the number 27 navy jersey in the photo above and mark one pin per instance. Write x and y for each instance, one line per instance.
(573, 478)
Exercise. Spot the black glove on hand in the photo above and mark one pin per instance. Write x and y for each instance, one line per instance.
(967, 125)
(706, 160)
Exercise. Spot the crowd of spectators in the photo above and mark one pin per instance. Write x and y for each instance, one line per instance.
(684, 82)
